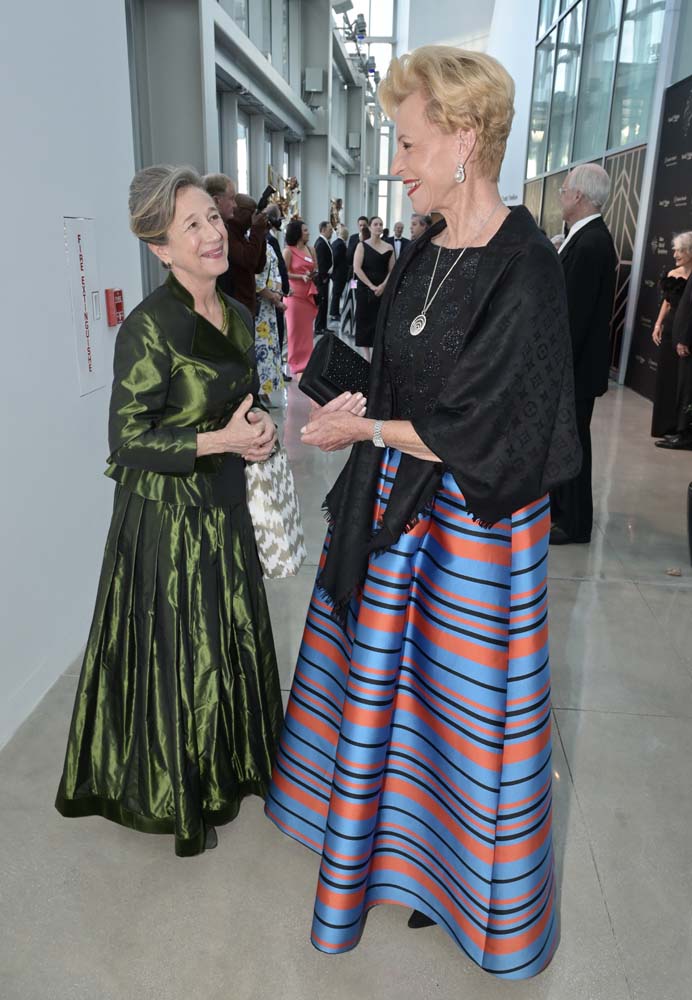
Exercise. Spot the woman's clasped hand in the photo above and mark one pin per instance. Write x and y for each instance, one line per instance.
(338, 423)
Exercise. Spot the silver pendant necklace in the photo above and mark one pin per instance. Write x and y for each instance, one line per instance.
(418, 322)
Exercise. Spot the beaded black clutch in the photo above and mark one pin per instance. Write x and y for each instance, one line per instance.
(333, 368)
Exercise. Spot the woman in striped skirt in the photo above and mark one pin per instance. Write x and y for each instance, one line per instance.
(415, 756)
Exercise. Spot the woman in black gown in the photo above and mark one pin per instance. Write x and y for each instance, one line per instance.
(372, 264)
(665, 420)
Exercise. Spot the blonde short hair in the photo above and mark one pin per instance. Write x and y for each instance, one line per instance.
(153, 192)
(463, 90)
(683, 241)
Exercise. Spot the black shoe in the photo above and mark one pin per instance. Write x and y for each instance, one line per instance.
(417, 920)
(558, 536)
(211, 840)
(288, 378)
(678, 442)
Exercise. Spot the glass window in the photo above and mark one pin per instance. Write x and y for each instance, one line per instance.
(384, 152)
(382, 53)
(532, 198)
(564, 104)
(546, 16)
(381, 18)
(267, 150)
(540, 105)
(285, 164)
(382, 200)
(242, 154)
(640, 46)
(378, 14)
(238, 11)
(285, 51)
(598, 69)
(551, 215)
(266, 41)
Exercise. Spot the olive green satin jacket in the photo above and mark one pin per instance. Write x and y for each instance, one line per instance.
(176, 375)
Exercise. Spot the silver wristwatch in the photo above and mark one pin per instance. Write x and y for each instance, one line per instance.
(377, 434)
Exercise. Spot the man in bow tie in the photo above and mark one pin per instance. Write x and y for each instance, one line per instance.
(398, 240)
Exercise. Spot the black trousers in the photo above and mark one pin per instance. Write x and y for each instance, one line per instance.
(572, 503)
(338, 285)
(322, 303)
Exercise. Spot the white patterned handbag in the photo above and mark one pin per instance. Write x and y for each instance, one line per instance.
(273, 504)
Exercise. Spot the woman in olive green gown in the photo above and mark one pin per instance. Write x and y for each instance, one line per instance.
(178, 708)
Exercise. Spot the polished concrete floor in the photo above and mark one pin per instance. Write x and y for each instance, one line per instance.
(96, 912)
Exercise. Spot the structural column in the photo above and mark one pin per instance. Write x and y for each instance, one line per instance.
(229, 133)
(317, 87)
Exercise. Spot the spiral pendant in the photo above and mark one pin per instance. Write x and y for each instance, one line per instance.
(418, 324)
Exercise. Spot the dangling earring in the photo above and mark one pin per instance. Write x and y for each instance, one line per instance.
(460, 173)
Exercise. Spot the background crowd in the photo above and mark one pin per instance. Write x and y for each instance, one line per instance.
(332, 283)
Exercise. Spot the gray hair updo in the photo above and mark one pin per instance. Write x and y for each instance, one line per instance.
(152, 200)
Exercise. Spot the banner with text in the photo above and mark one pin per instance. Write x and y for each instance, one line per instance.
(671, 213)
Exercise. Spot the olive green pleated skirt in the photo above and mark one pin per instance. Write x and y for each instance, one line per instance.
(178, 710)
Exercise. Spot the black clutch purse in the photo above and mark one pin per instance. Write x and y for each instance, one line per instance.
(333, 368)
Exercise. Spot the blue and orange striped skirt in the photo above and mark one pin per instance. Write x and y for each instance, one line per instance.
(415, 756)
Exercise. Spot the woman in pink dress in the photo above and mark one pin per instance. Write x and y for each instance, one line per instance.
(300, 305)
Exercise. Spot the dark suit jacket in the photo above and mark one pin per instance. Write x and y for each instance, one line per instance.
(351, 248)
(325, 260)
(403, 241)
(247, 256)
(339, 252)
(589, 261)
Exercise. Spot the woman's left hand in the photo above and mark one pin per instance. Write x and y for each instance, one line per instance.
(333, 430)
(352, 402)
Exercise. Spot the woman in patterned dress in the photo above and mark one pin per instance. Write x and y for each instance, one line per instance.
(267, 348)
(415, 756)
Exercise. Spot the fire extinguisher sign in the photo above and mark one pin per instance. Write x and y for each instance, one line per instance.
(83, 281)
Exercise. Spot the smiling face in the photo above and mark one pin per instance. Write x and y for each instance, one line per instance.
(426, 157)
(197, 243)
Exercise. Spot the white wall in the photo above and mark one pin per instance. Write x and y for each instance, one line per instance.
(512, 41)
(67, 150)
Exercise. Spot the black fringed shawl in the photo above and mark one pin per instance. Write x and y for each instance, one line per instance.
(505, 427)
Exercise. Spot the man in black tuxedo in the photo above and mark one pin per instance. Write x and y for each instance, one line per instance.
(325, 266)
(355, 239)
(340, 272)
(398, 240)
(589, 263)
